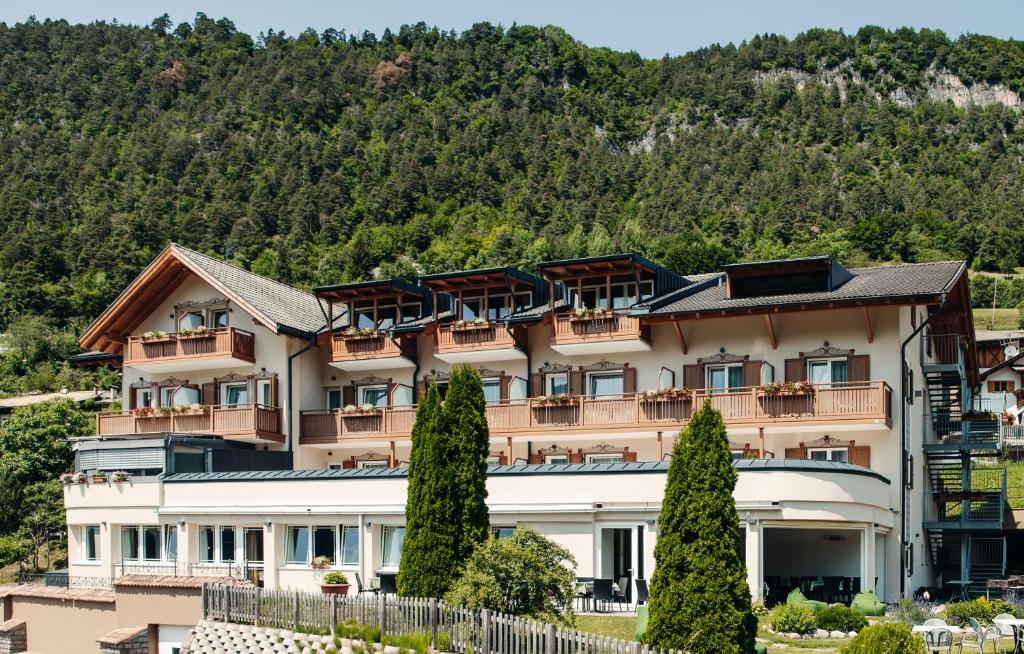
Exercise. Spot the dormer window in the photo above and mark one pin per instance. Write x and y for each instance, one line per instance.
(387, 315)
(593, 293)
(768, 278)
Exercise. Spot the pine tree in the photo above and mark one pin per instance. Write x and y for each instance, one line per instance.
(700, 600)
(431, 515)
(463, 418)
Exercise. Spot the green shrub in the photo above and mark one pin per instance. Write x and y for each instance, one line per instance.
(886, 638)
(909, 613)
(354, 631)
(787, 618)
(444, 641)
(759, 609)
(980, 609)
(335, 578)
(418, 642)
(841, 618)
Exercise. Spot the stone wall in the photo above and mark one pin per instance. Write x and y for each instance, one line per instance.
(130, 640)
(13, 637)
(210, 636)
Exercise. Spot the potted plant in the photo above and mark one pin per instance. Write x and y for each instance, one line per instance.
(583, 313)
(99, 476)
(201, 331)
(469, 325)
(69, 478)
(359, 333)
(559, 399)
(121, 476)
(321, 562)
(154, 335)
(334, 583)
(773, 389)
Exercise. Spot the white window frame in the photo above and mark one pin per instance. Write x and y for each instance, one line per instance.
(213, 318)
(384, 542)
(726, 367)
(170, 531)
(344, 532)
(287, 545)
(140, 542)
(334, 542)
(372, 463)
(606, 373)
(86, 529)
(549, 379)
(360, 390)
(829, 451)
(492, 381)
(831, 376)
(327, 398)
(263, 387)
(224, 393)
(627, 290)
(606, 457)
(185, 314)
(556, 459)
(496, 531)
(144, 397)
(245, 554)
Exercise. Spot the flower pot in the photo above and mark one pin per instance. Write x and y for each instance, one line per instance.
(334, 589)
(322, 566)
(99, 479)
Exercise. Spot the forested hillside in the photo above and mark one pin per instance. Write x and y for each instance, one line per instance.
(317, 158)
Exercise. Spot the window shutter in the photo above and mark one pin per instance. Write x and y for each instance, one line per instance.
(796, 452)
(132, 397)
(348, 464)
(991, 387)
(576, 457)
(693, 376)
(536, 386)
(629, 380)
(752, 373)
(503, 459)
(576, 382)
(627, 456)
(536, 458)
(796, 370)
(859, 455)
(273, 392)
(348, 395)
(209, 394)
(858, 368)
(503, 384)
(391, 391)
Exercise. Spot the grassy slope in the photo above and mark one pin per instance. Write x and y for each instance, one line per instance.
(1004, 319)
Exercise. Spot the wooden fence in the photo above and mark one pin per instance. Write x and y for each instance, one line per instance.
(465, 630)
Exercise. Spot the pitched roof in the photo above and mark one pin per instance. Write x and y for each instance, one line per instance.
(985, 335)
(900, 281)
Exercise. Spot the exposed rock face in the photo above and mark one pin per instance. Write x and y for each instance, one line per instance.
(945, 86)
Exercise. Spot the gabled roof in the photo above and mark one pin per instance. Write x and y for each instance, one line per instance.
(277, 306)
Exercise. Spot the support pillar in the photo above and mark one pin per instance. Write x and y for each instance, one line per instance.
(755, 559)
(271, 554)
(867, 571)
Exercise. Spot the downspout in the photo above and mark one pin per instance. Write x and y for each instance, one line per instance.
(905, 392)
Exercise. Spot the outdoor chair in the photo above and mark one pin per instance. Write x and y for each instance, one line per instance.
(867, 603)
(831, 589)
(1005, 630)
(389, 584)
(938, 640)
(602, 593)
(977, 637)
(364, 588)
(796, 598)
(642, 593)
(935, 622)
(620, 595)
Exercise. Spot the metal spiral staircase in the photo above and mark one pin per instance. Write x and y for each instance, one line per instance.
(967, 495)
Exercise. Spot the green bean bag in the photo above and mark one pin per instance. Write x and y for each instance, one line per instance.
(796, 598)
(641, 622)
(760, 648)
(867, 603)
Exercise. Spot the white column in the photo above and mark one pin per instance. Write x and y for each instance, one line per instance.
(754, 559)
(867, 569)
(271, 555)
(110, 549)
(187, 541)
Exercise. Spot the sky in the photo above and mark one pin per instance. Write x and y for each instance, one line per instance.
(650, 27)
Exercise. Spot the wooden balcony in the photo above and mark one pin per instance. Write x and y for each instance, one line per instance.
(216, 348)
(612, 332)
(465, 343)
(867, 403)
(250, 422)
(367, 352)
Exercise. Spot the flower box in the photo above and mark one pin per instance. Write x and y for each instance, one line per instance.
(363, 410)
(321, 563)
(775, 389)
(99, 478)
(586, 315)
(69, 478)
(197, 332)
(156, 337)
(470, 325)
(666, 394)
(554, 400)
(120, 476)
(354, 334)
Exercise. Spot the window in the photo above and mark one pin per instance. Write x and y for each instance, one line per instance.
(252, 538)
(234, 394)
(298, 545)
(349, 545)
(191, 320)
(623, 294)
(152, 541)
(372, 464)
(227, 544)
(493, 460)
(557, 458)
(604, 458)
(219, 318)
(171, 543)
(178, 395)
(737, 455)
(604, 384)
(387, 316)
(130, 543)
(492, 390)
(1001, 386)
(91, 543)
(472, 307)
(323, 542)
(364, 318)
(556, 383)
(166, 394)
(724, 378)
(333, 398)
(391, 551)
(502, 532)
(375, 395)
(263, 388)
(826, 371)
(143, 397)
(207, 545)
(838, 454)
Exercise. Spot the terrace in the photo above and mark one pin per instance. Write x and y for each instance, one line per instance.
(248, 422)
(197, 349)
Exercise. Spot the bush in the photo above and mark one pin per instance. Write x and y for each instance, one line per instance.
(335, 578)
(909, 613)
(354, 631)
(841, 618)
(417, 642)
(759, 609)
(787, 618)
(980, 609)
(886, 638)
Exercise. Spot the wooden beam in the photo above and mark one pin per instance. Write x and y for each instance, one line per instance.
(771, 331)
(679, 333)
(867, 325)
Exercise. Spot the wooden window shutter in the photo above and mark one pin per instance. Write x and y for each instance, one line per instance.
(859, 455)
(693, 376)
(503, 459)
(209, 394)
(752, 373)
(858, 368)
(629, 380)
(503, 383)
(536, 458)
(627, 456)
(391, 391)
(991, 387)
(348, 395)
(1009, 387)
(348, 464)
(576, 382)
(796, 370)
(132, 397)
(576, 457)
(536, 386)
(796, 452)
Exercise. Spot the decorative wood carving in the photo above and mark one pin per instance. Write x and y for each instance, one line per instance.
(603, 364)
(549, 367)
(724, 357)
(828, 441)
(202, 304)
(827, 350)
(554, 449)
(604, 448)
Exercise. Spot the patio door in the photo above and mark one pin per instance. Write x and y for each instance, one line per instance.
(619, 555)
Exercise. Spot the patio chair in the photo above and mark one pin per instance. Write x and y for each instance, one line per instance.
(363, 588)
(389, 584)
(1006, 630)
(796, 598)
(831, 589)
(867, 603)
(938, 640)
(620, 595)
(988, 637)
(602, 593)
(642, 593)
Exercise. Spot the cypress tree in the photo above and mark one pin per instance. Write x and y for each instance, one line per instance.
(431, 515)
(700, 600)
(464, 419)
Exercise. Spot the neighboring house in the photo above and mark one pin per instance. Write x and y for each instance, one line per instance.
(1001, 364)
(102, 399)
(300, 433)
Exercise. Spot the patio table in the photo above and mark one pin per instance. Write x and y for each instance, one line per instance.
(923, 629)
(1017, 626)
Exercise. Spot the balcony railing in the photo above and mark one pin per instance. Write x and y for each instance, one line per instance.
(167, 348)
(866, 402)
(365, 346)
(942, 351)
(250, 420)
(470, 337)
(571, 329)
(235, 570)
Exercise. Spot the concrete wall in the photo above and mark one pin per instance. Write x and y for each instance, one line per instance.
(63, 626)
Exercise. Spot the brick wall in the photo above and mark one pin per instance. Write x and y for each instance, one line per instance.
(13, 637)
(126, 641)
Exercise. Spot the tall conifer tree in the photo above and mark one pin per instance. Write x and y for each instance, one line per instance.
(700, 600)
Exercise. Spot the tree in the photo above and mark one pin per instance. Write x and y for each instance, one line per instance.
(700, 601)
(34, 440)
(431, 514)
(524, 574)
(463, 418)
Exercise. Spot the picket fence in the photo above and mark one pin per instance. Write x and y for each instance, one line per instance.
(464, 630)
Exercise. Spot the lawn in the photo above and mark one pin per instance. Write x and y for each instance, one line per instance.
(1005, 319)
(616, 626)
